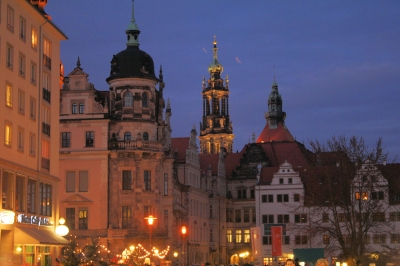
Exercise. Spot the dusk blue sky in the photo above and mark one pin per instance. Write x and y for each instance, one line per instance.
(337, 63)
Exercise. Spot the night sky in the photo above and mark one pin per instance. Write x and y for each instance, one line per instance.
(337, 63)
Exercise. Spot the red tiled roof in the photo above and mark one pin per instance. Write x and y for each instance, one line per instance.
(231, 162)
(281, 133)
(179, 146)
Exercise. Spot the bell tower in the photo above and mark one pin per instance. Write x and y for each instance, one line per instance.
(216, 127)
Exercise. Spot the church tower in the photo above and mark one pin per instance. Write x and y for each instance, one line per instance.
(275, 129)
(216, 128)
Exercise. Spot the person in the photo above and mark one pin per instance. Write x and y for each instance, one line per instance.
(322, 262)
(289, 262)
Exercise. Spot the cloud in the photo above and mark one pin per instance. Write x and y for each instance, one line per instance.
(204, 49)
(237, 60)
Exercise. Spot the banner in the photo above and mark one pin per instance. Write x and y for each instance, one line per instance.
(255, 241)
(276, 238)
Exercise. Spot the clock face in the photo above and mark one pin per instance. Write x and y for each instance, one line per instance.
(78, 84)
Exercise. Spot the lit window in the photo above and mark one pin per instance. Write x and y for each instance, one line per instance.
(7, 135)
(45, 194)
(246, 236)
(47, 53)
(126, 216)
(22, 29)
(229, 236)
(34, 37)
(9, 90)
(363, 196)
(83, 219)
(238, 236)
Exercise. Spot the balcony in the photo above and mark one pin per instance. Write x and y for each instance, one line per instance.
(46, 61)
(46, 163)
(134, 145)
(46, 129)
(46, 95)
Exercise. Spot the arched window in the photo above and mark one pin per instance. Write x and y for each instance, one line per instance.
(127, 136)
(145, 136)
(144, 99)
(81, 108)
(74, 108)
(128, 99)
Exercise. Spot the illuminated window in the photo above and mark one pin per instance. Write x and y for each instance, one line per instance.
(21, 67)
(34, 38)
(45, 194)
(83, 219)
(246, 236)
(47, 53)
(229, 236)
(7, 134)
(362, 195)
(126, 216)
(22, 28)
(238, 236)
(326, 239)
(9, 90)
(45, 155)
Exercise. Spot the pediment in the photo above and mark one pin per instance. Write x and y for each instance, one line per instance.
(78, 72)
(77, 198)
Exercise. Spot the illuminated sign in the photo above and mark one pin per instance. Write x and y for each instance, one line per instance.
(31, 219)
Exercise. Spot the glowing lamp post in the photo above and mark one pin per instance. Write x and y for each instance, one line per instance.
(184, 231)
(150, 220)
(62, 230)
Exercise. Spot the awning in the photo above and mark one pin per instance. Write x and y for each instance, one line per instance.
(26, 236)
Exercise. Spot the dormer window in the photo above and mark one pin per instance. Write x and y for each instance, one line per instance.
(128, 99)
(81, 108)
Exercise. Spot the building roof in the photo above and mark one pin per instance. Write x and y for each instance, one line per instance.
(179, 147)
(281, 133)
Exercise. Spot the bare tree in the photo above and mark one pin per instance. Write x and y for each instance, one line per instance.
(346, 197)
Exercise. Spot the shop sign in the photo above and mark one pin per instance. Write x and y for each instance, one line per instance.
(31, 219)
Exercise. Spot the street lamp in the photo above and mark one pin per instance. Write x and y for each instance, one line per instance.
(150, 220)
(176, 256)
(183, 231)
